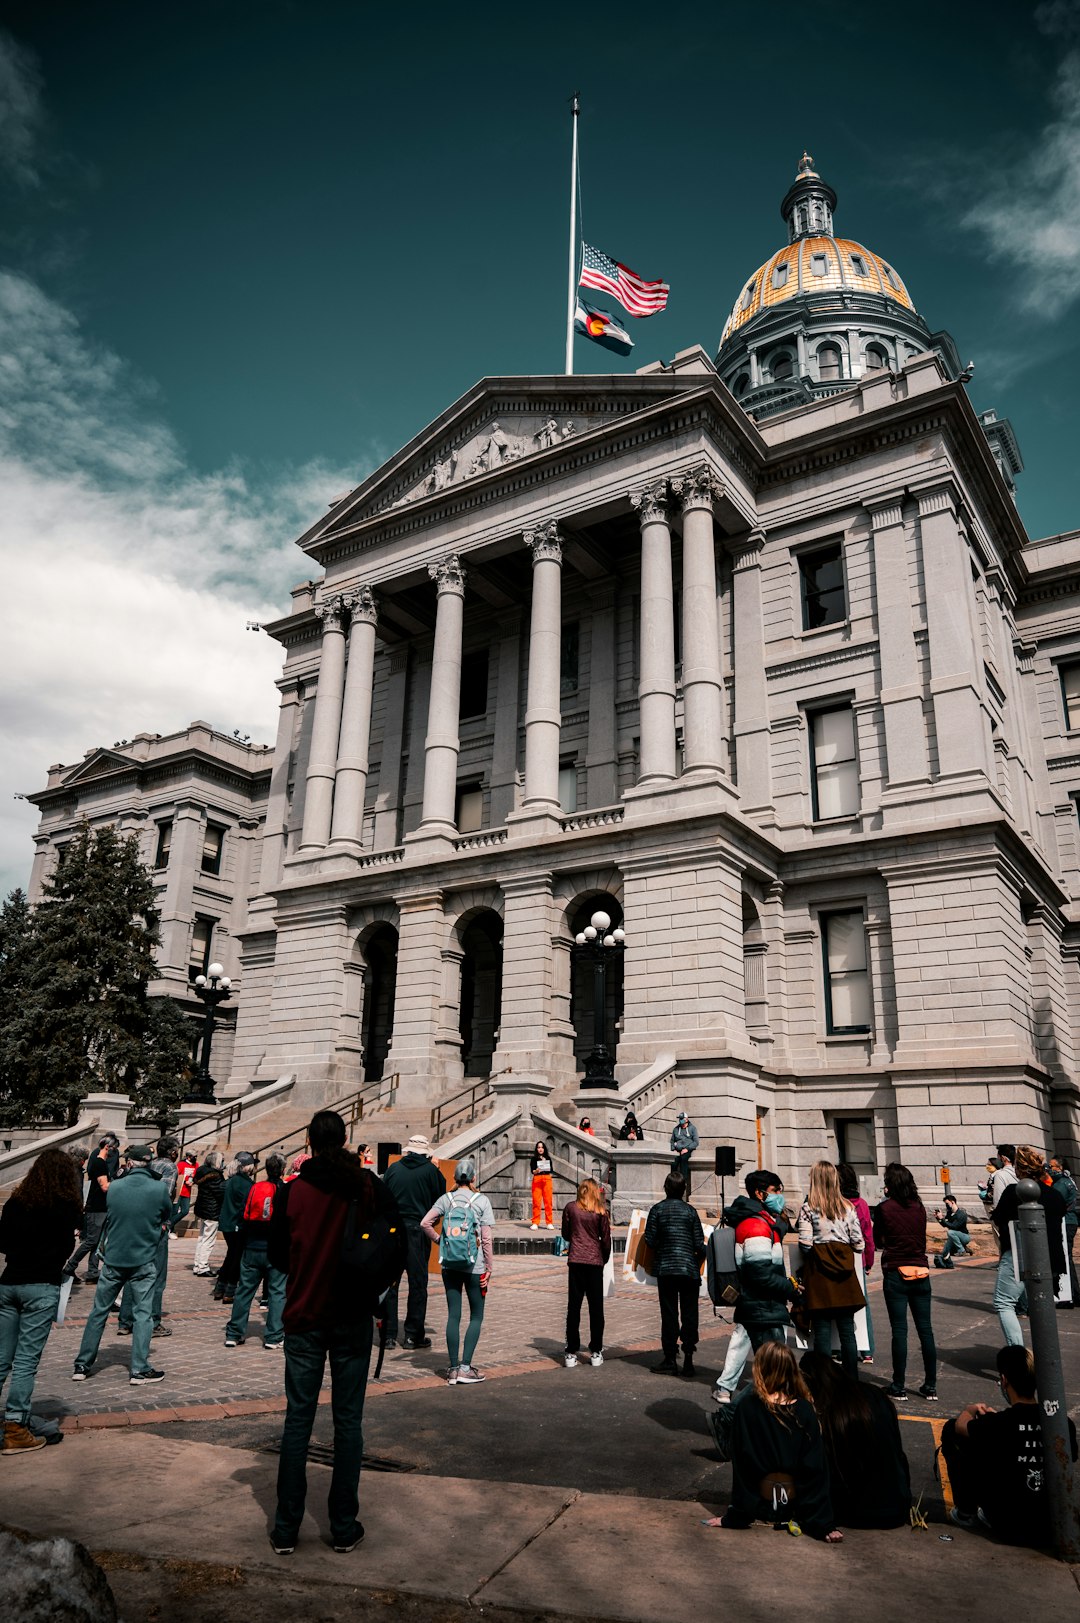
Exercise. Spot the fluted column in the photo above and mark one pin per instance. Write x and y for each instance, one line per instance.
(442, 742)
(703, 738)
(322, 762)
(350, 784)
(751, 687)
(543, 705)
(963, 730)
(656, 685)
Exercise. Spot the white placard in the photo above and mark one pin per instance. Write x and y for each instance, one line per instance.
(1065, 1292)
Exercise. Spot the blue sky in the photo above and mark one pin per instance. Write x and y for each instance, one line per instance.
(248, 249)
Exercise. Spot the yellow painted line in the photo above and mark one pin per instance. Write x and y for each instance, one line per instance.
(937, 1427)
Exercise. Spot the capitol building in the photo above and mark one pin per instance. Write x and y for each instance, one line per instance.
(748, 651)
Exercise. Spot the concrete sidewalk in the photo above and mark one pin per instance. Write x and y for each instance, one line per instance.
(177, 1508)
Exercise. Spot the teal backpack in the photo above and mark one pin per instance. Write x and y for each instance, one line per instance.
(459, 1240)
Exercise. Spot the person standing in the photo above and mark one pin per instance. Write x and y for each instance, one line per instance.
(466, 1255)
(137, 1209)
(209, 1185)
(760, 1221)
(543, 1170)
(849, 1188)
(185, 1171)
(830, 1237)
(37, 1225)
(163, 1167)
(233, 1200)
(323, 1321)
(1008, 1289)
(954, 1220)
(900, 1235)
(999, 1180)
(674, 1233)
(416, 1184)
(586, 1225)
(254, 1263)
(1062, 1180)
(102, 1167)
(684, 1141)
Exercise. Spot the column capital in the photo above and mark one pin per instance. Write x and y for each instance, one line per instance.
(449, 575)
(747, 550)
(887, 514)
(698, 488)
(650, 502)
(942, 499)
(331, 611)
(362, 605)
(545, 543)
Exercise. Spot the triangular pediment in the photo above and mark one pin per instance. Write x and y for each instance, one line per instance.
(499, 424)
(99, 763)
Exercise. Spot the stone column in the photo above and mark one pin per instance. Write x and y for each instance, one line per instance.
(601, 758)
(388, 793)
(350, 783)
(524, 1046)
(543, 707)
(177, 904)
(418, 998)
(442, 742)
(901, 687)
(752, 742)
(955, 645)
(245, 834)
(277, 803)
(322, 762)
(701, 672)
(504, 750)
(656, 686)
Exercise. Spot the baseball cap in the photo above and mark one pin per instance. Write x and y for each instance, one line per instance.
(246, 1159)
(139, 1152)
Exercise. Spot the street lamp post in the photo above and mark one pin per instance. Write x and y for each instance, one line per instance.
(599, 945)
(213, 988)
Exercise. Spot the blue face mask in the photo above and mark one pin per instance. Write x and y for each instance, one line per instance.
(774, 1204)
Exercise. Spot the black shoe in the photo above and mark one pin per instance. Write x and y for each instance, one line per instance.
(688, 1364)
(345, 1546)
(123, 1330)
(413, 1344)
(282, 1546)
(147, 1377)
(391, 1341)
(666, 1366)
(898, 1394)
(928, 1392)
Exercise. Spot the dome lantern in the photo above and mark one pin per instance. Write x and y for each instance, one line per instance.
(808, 206)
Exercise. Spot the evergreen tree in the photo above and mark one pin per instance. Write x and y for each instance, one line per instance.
(15, 949)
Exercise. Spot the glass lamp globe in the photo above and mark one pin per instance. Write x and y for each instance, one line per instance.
(200, 980)
(609, 941)
(216, 971)
(600, 922)
(580, 938)
(590, 932)
(225, 983)
(618, 936)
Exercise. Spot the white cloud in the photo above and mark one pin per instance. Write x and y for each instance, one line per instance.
(128, 577)
(20, 110)
(1029, 215)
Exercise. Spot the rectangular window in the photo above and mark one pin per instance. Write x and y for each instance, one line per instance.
(847, 985)
(1070, 694)
(568, 786)
(834, 769)
(780, 274)
(821, 574)
(569, 658)
(859, 265)
(470, 808)
(818, 265)
(202, 938)
(855, 1143)
(474, 685)
(212, 846)
(164, 843)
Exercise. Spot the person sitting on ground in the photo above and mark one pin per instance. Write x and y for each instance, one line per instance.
(1009, 1293)
(869, 1478)
(674, 1234)
(779, 1468)
(954, 1220)
(995, 1459)
(630, 1131)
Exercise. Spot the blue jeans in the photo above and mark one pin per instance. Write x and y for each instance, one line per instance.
(93, 1227)
(161, 1264)
(26, 1317)
(1009, 1294)
(956, 1244)
(251, 1271)
(901, 1294)
(349, 1350)
(844, 1319)
(112, 1282)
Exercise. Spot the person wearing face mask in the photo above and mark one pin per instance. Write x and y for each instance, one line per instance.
(761, 1303)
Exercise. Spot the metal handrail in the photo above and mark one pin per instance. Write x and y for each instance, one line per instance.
(453, 1107)
(351, 1107)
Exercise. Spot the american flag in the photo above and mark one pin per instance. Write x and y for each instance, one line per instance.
(641, 298)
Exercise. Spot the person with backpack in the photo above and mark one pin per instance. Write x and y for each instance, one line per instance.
(329, 1315)
(466, 1254)
(760, 1222)
(254, 1264)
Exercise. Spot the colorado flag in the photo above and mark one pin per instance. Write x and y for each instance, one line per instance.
(601, 328)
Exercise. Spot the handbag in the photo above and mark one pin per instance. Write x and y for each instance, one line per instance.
(560, 1247)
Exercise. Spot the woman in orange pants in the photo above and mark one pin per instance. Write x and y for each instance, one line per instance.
(541, 1184)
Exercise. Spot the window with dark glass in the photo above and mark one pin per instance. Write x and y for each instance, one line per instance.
(876, 358)
(474, 685)
(469, 811)
(569, 651)
(821, 573)
(782, 367)
(1070, 695)
(748, 296)
(213, 845)
(202, 940)
(164, 843)
(834, 769)
(830, 362)
(858, 265)
(741, 384)
(819, 264)
(780, 274)
(568, 785)
(856, 1144)
(891, 277)
(847, 984)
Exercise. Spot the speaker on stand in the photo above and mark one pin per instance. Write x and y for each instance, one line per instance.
(384, 1151)
(723, 1168)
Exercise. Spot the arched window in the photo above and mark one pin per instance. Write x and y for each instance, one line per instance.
(782, 366)
(741, 384)
(876, 358)
(830, 362)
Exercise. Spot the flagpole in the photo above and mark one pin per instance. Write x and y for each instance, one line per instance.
(571, 290)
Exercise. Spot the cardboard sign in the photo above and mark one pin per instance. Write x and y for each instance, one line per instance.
(862, 1334)
(638, 1258)
(447, 1170)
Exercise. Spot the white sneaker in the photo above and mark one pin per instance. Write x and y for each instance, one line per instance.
(468, 1373)
(551, 1225)
(534, 1225)
(452, 1375)
(721, 1394)
(596, 1359)
(570, 1360)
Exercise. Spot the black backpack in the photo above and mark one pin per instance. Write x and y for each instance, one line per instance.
(721, 1274)
(373, 1254)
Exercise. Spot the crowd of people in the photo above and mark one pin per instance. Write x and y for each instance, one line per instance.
(329, 1245)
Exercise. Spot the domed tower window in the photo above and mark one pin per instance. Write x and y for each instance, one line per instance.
(891, 276)
(876, 358)
(781, 366)
(741, 384)
(830, 363)
(748, 296)
(780, 274)
(858, 265)
(819, 264)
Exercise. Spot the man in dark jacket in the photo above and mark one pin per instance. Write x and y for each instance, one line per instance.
(233, 1200)
(416, 1184)
(323, 1320)
(102, 1168)
(674, 1233)
(954, 1220)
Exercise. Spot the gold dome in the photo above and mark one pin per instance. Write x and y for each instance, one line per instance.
(815, 265)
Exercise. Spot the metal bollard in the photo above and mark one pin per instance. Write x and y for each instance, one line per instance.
(1037, 1275)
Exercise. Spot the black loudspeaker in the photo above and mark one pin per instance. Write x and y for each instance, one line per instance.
(384, 1152)
(725, 1161)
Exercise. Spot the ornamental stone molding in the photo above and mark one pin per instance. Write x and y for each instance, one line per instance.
(941, 500)
(748, 551)
(700, 487)
(363, 605)
(887, 516)
(544, 543)
(650, 503)
(449, 575)
(332, 611)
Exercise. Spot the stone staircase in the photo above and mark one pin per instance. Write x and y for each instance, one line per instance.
(282, 1130)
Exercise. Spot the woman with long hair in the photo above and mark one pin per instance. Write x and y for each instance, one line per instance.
(849, 1188)
(585, 1223)
(869, 1478)
(466, 1254)
(37, 1231)
(900, 1236)
(780, 1473)
(542, 1168)
(830, 1237)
